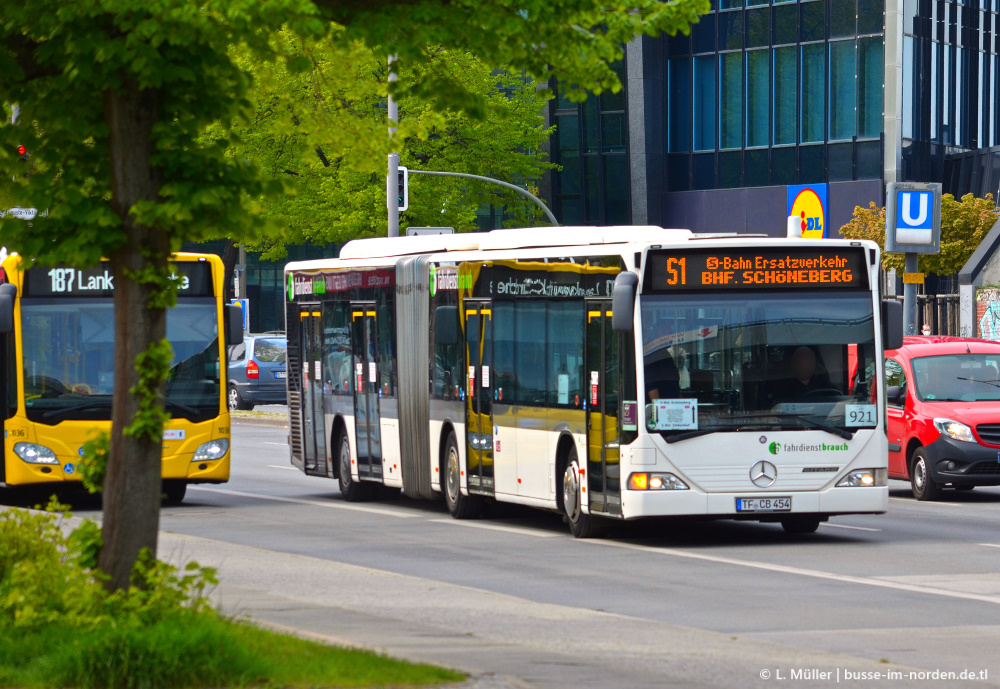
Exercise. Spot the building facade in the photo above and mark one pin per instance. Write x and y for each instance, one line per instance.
(770, 109)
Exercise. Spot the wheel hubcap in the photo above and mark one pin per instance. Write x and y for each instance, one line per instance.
(571, 492)
(233, 398)
(452, 482)
(920, 474)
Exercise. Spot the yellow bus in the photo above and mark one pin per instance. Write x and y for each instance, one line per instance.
(57, 361)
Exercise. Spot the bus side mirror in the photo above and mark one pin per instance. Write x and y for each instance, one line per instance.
(446, 325)
(7, 295)
(892, 324)
(234, 324)
(623, 302)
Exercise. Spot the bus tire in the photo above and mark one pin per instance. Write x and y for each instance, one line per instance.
(460, 506)
(800, 525)
(353, 491)
(236, 401)
(921, 483)
(174, 491)
(580, 525)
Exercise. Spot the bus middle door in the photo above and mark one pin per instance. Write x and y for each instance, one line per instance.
(364, 344)
(479, 386)
(313, 427)
(603, 386)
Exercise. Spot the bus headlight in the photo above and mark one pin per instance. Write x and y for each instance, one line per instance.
(35, 454)
(954, 430)
(861, 478)
(213, 449)
(644, 481)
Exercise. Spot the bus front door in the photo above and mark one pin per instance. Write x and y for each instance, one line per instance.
(479, 385)
(364, 342)
(313, 430)
(603, 381)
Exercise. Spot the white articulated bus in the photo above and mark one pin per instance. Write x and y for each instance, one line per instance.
(605, 372)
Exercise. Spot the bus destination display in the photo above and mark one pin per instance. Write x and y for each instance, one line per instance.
(732, 268)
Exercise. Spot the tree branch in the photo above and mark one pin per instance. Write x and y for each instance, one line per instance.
(23, 50)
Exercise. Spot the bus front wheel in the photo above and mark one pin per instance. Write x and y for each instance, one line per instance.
(460, 506)
(581, 525)
(174, 492)
(800, 525)
(352, 490)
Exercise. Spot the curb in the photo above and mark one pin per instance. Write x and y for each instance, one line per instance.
(249, 421)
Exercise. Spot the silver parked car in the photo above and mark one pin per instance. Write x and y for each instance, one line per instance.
(257, 371)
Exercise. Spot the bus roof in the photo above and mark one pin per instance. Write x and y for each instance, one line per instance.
(384, 247)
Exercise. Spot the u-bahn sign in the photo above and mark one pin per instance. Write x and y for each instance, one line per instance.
(913, 218)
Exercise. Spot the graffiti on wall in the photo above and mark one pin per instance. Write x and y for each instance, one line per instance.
(988, 310)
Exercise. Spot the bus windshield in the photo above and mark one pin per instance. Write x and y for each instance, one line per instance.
(758, 361)
(68, 353)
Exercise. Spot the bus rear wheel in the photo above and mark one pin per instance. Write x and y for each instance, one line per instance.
(352, 490)
(580, 525)
(460, 506)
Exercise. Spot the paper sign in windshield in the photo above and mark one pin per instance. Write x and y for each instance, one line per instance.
(675, 415)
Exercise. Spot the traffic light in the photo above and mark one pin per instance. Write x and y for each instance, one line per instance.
(23, 152)
(402, 188)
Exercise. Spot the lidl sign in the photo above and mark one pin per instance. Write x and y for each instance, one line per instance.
(808, 202)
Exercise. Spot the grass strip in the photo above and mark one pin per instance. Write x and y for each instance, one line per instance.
(192, 650)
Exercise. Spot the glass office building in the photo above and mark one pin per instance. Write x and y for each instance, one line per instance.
(723, 126)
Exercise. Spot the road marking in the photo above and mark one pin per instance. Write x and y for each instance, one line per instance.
(913, 501)
(798, 571)
(312, 503)
(497, 527)
(275, 466)
(990, 545)
(847, 526)
(278, 444)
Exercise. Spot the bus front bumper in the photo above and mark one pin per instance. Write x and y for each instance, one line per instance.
(843, 500)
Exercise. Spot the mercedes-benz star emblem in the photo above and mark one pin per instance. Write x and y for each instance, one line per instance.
(763, 474)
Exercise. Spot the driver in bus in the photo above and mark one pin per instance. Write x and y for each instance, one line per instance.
(806, 375)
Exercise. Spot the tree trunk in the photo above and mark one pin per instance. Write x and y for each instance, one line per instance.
(132, 484)
(230, 255)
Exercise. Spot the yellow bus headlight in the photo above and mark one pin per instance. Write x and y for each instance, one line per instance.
(213, 449)
(35, 454)
(646, 481)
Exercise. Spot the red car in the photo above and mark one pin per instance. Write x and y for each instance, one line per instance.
(943, 403)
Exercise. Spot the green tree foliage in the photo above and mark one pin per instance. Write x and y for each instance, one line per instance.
(964, 224)
(324, 135)
(127, 107)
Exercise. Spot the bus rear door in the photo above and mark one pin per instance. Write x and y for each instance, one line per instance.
(479, 395)
(603, 381)
(365, 346)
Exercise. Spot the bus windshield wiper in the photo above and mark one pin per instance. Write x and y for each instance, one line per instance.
(846, 435)
(691, 434)
(66, 411)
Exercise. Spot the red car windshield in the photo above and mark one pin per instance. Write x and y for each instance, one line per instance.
(957, 378)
